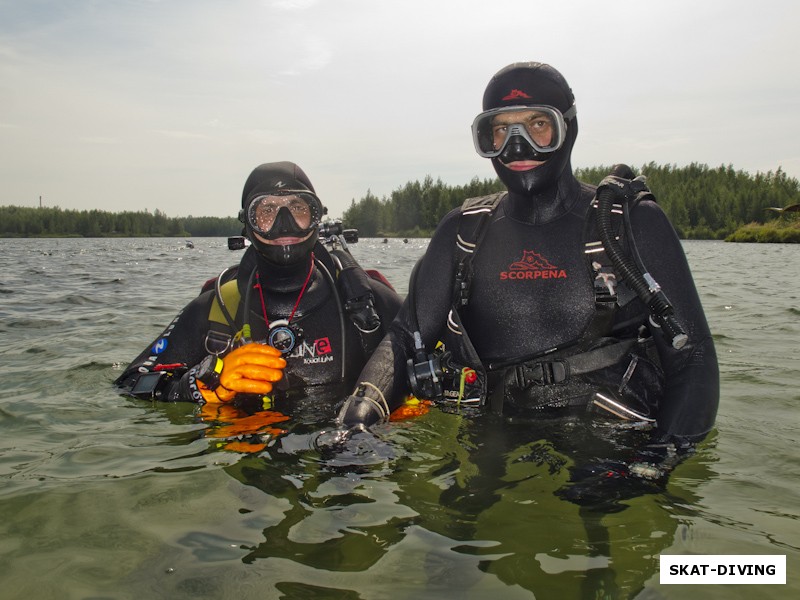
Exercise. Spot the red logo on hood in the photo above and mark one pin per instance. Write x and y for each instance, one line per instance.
(533, 265)
(514, 94)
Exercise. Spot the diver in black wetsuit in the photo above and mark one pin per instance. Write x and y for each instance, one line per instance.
(319, 308)
(534, 319)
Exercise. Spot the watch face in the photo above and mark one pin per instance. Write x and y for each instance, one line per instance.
(284, 336)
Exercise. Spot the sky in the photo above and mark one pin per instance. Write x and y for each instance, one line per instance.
(169, 104)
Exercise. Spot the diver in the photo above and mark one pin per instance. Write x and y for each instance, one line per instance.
(292, 319)
(521, 304)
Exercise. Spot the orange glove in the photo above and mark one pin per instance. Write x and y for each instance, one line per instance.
(250, 369)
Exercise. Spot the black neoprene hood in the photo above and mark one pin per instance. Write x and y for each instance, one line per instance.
(272, 177)
(528, 83)
(532, 84)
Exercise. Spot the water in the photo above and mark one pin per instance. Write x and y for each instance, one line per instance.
(106, 497)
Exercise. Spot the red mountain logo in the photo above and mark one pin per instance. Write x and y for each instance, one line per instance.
(514, 94)
(532, 265)
(531, 260)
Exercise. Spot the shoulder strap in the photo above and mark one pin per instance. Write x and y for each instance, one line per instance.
(475, 213)
(221, 318)
(600, 266)
(475, 216)
(605, 281)
(230, 303)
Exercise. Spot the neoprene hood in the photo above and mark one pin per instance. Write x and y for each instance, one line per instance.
(532, 84)
(279, 178)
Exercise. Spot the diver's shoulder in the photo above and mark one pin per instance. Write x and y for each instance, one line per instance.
(448, 225)
(649, 209)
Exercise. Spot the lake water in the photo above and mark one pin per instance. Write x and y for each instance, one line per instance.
(107, 497)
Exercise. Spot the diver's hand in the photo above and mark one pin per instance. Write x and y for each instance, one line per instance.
(331, 440)
(662, 453)
(604, 483)
(361, 412)
(357, 414)
(249, 369)
(354, 446)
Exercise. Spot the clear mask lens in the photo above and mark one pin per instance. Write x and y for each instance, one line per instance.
(543, 127)
(304, 208)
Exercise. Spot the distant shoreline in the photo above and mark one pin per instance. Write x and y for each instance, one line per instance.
(754, 233)
(767, 233)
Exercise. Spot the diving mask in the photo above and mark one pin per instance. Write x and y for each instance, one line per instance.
(543, 127)
(284, 212)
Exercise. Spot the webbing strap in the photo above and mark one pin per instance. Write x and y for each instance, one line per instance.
(557, 370)
(475, 216)
(231, 297)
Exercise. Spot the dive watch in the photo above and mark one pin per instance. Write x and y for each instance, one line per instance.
(209, 370)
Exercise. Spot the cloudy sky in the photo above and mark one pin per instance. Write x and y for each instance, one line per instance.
(169, 104)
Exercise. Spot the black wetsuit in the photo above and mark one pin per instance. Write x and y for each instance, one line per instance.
(540, 334)
(322, 360)
(514, 312)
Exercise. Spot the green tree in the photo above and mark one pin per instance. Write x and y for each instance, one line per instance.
(700, 201)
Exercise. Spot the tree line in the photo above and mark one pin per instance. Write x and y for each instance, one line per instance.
(701, 202)
(17, 221)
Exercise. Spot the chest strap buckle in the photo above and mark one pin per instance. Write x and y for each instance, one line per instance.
(541, 373)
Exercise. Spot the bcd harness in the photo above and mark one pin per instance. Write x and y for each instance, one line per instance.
(557, 378)
(350, 288)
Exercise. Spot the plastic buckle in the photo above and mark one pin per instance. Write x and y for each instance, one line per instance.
(542, 373)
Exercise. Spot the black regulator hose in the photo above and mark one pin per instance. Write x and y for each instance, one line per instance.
(641, 282)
